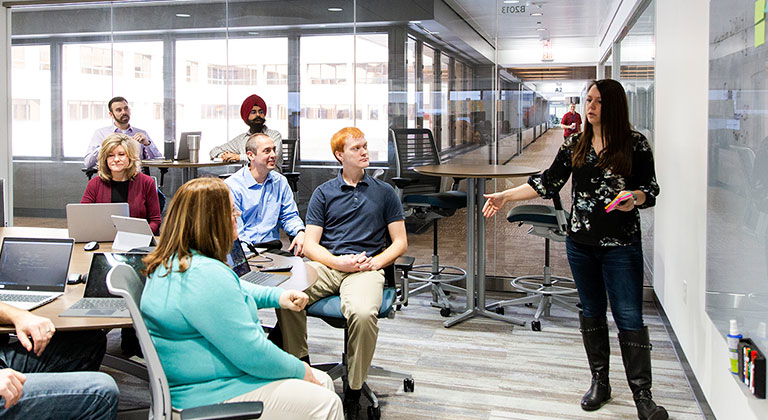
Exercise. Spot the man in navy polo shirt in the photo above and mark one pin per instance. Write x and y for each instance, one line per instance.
(355, 227)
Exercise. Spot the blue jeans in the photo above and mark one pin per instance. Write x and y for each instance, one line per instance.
(64, 396)
(615, 269)
(67, 351)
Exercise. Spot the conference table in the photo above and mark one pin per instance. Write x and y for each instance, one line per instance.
(188, 169)
(302, 276)
(476, 175)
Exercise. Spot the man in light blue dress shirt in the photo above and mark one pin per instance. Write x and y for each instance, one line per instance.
(265, 199)
(121, 114)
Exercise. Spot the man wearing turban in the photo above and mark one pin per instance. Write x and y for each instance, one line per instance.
(253, 112)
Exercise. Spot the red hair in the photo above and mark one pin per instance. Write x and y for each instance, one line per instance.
(339, 140)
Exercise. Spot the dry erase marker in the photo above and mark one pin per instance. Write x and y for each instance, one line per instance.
(616, 201)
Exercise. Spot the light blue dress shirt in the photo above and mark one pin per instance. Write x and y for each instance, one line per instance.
(92, 155)
(264, 207)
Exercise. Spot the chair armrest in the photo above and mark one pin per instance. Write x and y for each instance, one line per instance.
(401, 182)
(404, 263)
(292, 174)
(560, 213)
(455, 185)
(228, 411)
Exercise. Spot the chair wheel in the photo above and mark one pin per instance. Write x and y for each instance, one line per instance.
(529, 305)
(445, 312)
(536, 325)
(408, 385)
(374, 413)
(500, 310)
(399, 307)
(447, 292)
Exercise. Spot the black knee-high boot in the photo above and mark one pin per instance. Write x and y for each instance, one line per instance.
(636, 354)
(594, 332)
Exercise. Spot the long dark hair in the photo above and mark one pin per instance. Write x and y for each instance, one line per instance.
(616, 130)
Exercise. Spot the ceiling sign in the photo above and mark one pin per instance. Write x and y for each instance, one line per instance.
(546, 50)
(512, 10)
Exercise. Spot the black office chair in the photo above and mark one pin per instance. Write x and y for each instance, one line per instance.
(549, 222)
(123, 281)
(422, 198)
(290, 151)
(329, 310)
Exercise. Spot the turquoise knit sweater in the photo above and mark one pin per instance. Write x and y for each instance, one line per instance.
(205, 325)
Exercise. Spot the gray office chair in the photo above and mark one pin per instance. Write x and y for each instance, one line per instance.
(549, 222)
(329, 310)
(123, 281)
(422, 198)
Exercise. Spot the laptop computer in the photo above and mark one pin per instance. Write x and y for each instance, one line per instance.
(97, 301)
(92, 221)
(132, 232)
(236, 259)
(183, 150)
(33, 271)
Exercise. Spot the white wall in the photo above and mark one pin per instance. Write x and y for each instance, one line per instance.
(680, 217)
(5, 102)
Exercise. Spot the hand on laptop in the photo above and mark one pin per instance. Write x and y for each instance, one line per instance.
(293, 300)
(40, 329)
(298, 243)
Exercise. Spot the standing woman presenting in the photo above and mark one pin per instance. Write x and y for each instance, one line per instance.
(604, 248)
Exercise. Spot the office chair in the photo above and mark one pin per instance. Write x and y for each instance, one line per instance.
(422, 198)
(290, 151)
(549, 222)
(123, 281)
(329, 310)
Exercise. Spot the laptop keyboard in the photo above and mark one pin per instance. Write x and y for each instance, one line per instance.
(13, 297)
(100, 303)
(264, 279)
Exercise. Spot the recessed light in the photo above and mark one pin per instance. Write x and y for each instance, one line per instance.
(415, 21)
(511, 1)
(541, 29)
(335, 9)
(253, 33)
(183, 15)
(537, 14)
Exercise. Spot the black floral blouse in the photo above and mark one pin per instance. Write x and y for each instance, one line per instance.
(593, 188)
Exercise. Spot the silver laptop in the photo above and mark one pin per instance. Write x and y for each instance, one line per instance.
(183, 150)
(93, 221)
(132, 232)
(236, 259)
(33, 271)
(97, 301)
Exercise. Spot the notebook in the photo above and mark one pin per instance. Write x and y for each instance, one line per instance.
(93, 222)
(236, 259)
(97, 301)
(33, 271)
(183, 150)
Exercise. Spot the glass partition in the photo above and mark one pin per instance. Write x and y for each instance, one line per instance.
(737, 202)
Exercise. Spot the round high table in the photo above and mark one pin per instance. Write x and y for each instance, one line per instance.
(476, 175)
(188, 169)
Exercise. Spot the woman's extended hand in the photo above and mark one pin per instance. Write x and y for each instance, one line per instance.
(628, 204)
(309, 376)
(495, 202)
(293, 300)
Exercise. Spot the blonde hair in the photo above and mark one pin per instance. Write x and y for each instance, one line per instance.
(199, 219)
(131, 148)
(339, 140)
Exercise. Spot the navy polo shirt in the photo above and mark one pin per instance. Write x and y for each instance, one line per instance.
(354, 219)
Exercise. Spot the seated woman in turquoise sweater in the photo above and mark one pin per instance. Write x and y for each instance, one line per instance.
(205, 324)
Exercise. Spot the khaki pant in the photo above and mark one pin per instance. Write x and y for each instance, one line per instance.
(361, 295)
(289, 399)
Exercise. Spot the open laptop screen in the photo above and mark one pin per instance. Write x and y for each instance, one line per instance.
(236, 259)
(35, 264)
(96, 284)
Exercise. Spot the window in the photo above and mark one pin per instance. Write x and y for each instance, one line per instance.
(94, 60)
(372, 73)
(234, 75)
(26, 110)
(86, 110)
(427, 83)
(142, 66)
(446, 136)
(192, 69)
(158, 111)
(218, 111)
(277, 74)
(18, 57)
(45, 58)
(410, 60)
(327, 74)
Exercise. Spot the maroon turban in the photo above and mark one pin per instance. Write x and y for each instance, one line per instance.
(247, 106)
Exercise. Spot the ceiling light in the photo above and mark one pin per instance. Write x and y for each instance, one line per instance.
(537, 14)
(511, 1)
(253, 33)
(415, 21)
(541, 29)
(183, 15)
(335, 9)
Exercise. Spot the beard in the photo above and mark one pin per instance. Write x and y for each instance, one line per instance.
(256, 124)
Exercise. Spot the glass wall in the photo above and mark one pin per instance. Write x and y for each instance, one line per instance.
(737, 198)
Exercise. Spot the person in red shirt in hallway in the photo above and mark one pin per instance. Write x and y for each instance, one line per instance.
(571, 122)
